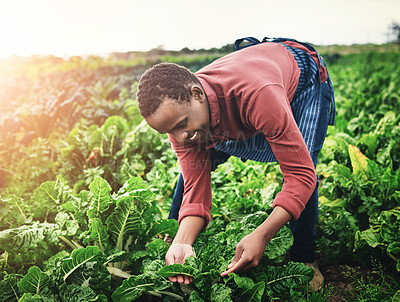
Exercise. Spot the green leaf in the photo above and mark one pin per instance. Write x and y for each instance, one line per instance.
(26, 237)
(396, 297)
(47, 193)
(43, 297)
(281, 279)
(135, 286)
(34, 281)
(249, 290)
(158, 248)
(77, 259)
(176, 269)
(98, 233)
(358, 160)
(68, 226)
(100, 197)
(126, 220)
(9, 291)
(371, 237)
(85, 268)
(220, 293)
(51, 263)
(195, 297)
(76, 293)
(278, 245)
(165, 226)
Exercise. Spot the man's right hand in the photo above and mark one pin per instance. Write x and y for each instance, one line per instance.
(181, 247)
(177, 253)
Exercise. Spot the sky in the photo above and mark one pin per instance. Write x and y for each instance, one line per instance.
(82, 27)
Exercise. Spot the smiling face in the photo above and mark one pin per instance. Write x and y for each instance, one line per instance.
(186, 122)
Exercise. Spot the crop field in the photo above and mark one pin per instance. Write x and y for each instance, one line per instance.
(86, 186)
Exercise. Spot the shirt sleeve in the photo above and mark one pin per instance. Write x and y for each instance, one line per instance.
(269, 112)
(194, 160)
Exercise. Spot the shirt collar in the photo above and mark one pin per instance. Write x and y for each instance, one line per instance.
(213, 104)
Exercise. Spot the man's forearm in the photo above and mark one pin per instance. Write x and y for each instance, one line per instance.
(275, 221)
(189, 228)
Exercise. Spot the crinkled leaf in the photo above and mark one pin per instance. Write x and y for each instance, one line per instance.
(47, 193)
(126, 220)
(396, 297)
(249, 291)
(117, 257)
(20, 240)
(45, 296)
(278, 245)
(51, 263)
(195, 297)
(135, 286)
(76, 293)
(93, 274)
(100, 197)
(169, 226)
(9, 291)
(220, 293)
(152, 266)
(176, 269)
(76, 260)
(204, 280)
(371, 237)
(158, 248)
(98, 233)
(280, 279)
(358, 160)
(68, 226)
(34, 281)
(134, 183)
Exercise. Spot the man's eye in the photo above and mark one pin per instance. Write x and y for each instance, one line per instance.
(183, 124)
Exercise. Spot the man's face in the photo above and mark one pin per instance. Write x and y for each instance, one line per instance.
(186, 122)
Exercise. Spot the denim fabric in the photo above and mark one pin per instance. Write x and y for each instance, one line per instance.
(303, 229)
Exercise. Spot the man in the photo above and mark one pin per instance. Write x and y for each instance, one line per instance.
(266, 102)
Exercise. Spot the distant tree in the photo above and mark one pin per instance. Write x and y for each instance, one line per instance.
(395, 27)
(186, 50)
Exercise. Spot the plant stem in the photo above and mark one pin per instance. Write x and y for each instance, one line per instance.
(73, 245)
(159, 293)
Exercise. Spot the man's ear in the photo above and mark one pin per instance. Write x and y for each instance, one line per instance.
(197, 92)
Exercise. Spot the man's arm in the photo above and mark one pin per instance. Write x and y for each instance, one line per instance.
(250, 249)
(189, 228)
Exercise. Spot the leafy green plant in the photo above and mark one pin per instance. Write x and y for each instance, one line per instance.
(383, 233)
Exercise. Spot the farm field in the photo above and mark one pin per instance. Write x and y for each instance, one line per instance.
(85, 189)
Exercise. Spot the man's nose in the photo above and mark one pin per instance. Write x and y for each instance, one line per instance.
(181, 136)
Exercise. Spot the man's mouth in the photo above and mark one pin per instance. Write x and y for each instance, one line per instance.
(194, 136)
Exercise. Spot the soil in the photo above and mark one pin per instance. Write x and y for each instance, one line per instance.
(338, 282)
(341, 280)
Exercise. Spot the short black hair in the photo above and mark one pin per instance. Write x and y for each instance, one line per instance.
(164, 80)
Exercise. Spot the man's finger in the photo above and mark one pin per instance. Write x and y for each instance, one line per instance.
(172, 279)
(238, 256)
(239, 265)
(187, 280)
(180, 278)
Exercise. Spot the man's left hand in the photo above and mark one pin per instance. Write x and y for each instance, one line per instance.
(249, 252)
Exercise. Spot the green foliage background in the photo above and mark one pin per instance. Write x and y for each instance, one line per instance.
(86, 185)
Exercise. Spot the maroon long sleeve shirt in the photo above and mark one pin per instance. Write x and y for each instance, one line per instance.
(249, 92)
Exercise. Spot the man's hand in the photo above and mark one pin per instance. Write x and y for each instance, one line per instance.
(250, 249)
(249, 252)
(181, 247)
(177, 253)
